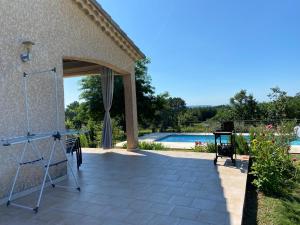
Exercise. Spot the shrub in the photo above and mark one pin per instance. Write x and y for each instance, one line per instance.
(124, 145)
(209, 147)
(83, 141)
(117, 132)
(272, 166)
(241, 144)
(148, 146)
(151, 146)
(200, 148)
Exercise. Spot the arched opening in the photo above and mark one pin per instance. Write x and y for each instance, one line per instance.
(78, 69)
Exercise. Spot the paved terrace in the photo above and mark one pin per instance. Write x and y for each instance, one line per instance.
(145, 187)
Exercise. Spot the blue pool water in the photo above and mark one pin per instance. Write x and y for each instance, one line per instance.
(192, 138)
(202, 138)
(296, 142)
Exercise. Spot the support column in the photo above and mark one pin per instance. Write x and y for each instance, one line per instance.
(131, 111)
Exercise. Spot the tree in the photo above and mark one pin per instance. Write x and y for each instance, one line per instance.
(263, 110)
(92, 96)
(187, 118)
(278, 108)
(244, 106)
(161, 109)
(72, 110)
(76, 116)
(166, 112)
(293, 107)
(224, 113)
(144, 93)
(177, 106)
(193, 115)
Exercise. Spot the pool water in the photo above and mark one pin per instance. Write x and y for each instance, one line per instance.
(296, 142)
(193, 138)
(203, 138)
(188, 138)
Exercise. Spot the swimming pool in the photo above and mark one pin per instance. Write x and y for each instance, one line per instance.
(209, 138)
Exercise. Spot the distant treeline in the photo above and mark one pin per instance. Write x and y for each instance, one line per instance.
(244, 107)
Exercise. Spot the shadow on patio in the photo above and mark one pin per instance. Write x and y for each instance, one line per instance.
(145, 187)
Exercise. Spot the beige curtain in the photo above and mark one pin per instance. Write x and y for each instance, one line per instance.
(107, 85)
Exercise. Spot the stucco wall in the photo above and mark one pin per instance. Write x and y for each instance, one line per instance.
(59, 29)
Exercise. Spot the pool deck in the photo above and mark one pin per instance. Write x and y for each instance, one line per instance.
(295, 149)
(143, 188)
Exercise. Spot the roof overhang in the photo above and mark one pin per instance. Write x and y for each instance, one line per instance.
(104, 21)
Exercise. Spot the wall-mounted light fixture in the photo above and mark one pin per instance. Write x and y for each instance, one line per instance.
(26, 56)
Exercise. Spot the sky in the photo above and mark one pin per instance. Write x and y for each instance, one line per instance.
(205, 51)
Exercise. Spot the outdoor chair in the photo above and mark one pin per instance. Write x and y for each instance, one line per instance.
(73, 145)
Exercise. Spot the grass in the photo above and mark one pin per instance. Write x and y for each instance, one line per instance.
(284, 210)
(272, 210)
(297, 156)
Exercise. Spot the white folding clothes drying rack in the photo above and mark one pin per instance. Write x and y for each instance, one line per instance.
(29, 140)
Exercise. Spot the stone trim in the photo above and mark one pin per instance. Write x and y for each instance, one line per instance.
(102, 19)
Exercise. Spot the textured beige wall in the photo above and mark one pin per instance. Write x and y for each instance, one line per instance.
(60, 29)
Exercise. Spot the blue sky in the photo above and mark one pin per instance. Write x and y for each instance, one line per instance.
(206, 50)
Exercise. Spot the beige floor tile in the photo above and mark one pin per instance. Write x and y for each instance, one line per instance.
(145, 187)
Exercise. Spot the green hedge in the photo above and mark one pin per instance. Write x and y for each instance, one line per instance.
(149, 146)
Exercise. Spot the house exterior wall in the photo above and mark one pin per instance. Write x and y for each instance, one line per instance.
(60, 29)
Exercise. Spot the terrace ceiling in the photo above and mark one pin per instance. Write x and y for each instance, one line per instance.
(74, 68)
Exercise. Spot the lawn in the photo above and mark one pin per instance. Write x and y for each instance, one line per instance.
(272, 210)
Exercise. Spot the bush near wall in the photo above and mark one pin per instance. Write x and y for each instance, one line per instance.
(241, 144)
(272, 167)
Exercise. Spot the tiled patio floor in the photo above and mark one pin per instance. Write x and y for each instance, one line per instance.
(147, 187)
